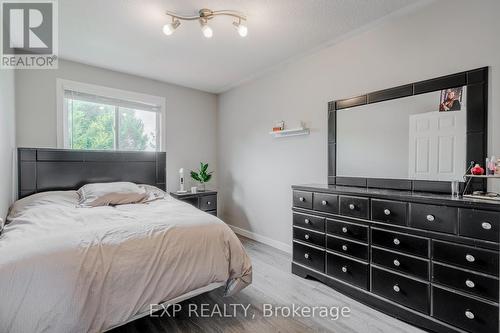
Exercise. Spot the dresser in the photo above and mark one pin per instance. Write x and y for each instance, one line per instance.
(427, 259)
(205, 201)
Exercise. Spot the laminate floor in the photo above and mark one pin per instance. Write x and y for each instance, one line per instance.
(274, 284)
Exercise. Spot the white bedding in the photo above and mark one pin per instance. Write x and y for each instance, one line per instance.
(68, 269)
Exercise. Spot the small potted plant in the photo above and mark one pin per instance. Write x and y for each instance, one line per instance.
(202, 176)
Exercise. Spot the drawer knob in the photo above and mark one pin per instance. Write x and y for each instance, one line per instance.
(209, 203)
(344, 269)
(469, 314)
(344, 230)
(306, 221)
(470, 283)
(430, 218)
(396, 241)
(470, 258)
(387, 212)
(306, 255)
(396, 288)
(396, 262)
(486, 225)
(351, 206)
(301, 199)
(344, 247)
(324, 202)
(306, 236)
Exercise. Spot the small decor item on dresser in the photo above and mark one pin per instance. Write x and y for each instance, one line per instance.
(202, 176)
(451, 99)
(279, 126)
(477, 170)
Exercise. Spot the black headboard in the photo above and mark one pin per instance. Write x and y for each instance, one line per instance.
(42, 169)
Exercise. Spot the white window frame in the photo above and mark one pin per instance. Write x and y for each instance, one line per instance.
(62, 111)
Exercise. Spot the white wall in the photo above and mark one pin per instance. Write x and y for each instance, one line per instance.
(190, 121)
(256, 171)
(7, 140)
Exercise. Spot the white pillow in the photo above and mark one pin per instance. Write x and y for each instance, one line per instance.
(154, 193)
(91, 192)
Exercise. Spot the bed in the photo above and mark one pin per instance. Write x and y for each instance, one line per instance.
(68, 269)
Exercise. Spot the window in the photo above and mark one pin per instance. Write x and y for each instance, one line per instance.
(101, 118)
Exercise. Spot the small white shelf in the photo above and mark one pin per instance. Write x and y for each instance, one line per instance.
(290, 132)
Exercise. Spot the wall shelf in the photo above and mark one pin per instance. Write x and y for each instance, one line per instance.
(290, 132)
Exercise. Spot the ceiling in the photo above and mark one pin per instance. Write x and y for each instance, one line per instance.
(126, 36)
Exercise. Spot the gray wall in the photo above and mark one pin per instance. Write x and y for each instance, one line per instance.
(190, 114)
(7, 140)
(256, 171)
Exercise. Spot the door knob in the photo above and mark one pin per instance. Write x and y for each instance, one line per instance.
(301, 199)
(430, 218)
(306, 255)
(470, 258)
(344, 269)
(306, 236)
(344, 247)
(470, 283)
(306, 221)
(351, 206)
(387, 212)
(396, 288)
(344, 230)
(469, 314)
(486, 225)
(324, 202)
(396, 262)
(396, 241)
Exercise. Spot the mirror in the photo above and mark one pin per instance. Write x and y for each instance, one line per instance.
(419, 137)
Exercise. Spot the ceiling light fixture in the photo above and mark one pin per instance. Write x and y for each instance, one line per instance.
(204, 15)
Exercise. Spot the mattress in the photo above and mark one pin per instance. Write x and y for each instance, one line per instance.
(69, 269)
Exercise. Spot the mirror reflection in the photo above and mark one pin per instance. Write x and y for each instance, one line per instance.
(417, 137)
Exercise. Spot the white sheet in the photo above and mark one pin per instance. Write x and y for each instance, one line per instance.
(67, 269)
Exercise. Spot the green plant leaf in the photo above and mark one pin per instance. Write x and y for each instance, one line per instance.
(195, 176)
(208, 177)
(204, 167)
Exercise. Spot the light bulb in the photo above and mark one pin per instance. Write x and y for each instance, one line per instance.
(241, 28)
(207, 31)
(169, 28)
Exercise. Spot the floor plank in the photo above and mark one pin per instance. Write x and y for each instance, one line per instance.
(274, 284)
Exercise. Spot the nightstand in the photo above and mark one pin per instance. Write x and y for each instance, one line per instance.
(206, 201)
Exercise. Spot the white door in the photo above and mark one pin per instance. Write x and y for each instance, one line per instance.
(437, 145)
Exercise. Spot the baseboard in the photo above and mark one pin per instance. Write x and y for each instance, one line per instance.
(262, 239)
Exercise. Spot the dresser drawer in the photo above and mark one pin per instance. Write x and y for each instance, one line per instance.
(401, 242)
(467, 313)
(347, 247)
(393, 212)
(309, 237)
(303, 199)
(309, 256)
(480, 224)
(465, 256)
(354, 206)
(349, 230)
(475, 284)
(401, 263)
(411, 293)
(327, 203)
(351, 271)
(308, 221)
(208, 202)
(435, 218)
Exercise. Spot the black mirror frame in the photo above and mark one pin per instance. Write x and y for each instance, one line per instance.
(477, 128)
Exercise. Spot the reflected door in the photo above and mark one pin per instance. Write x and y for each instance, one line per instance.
(437, 145)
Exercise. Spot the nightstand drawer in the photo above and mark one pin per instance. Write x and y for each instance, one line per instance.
(480, 224)
(435, 218)
(310, 222)
(401, 263)
(351, 271)
(466, 256)
(393, 212)
(306, 236)
(476, 284)
(208, 202)
(353, 206)
(348, 230)
(467, 313)
(411, 293)
(309, 256)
